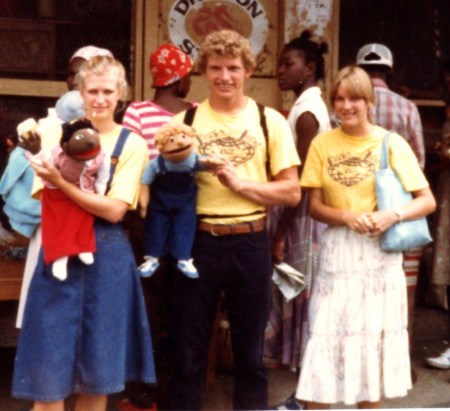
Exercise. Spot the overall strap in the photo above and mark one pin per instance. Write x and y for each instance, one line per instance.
(384, 157)
(116, 154)
(162, 165)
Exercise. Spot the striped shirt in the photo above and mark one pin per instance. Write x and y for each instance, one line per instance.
(395, 112)
(145, 118)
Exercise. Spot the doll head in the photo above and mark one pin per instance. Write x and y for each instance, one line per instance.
(175, 142)
(80, 140)
(70, 106)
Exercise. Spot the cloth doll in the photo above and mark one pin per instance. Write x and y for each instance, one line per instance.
(67, 229)
(24, 212)
(168, 197)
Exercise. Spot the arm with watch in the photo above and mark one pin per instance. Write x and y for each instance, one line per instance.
(423, 203)
(373, 223)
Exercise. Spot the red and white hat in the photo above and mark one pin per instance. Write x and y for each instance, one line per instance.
(168, 64)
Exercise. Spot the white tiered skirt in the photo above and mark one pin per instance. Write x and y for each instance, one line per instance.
(358, 347)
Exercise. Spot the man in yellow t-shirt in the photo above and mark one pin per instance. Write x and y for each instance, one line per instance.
(231, 250)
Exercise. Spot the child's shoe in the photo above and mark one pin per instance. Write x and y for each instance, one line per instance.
(149, 266)
(187, 268)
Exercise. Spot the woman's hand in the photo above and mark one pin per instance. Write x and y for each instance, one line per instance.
(358, 222)
(381, 221)
(47, 171)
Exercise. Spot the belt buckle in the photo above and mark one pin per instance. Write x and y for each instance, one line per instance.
(212, 231)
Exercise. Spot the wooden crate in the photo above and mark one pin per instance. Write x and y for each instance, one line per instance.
(11, 279)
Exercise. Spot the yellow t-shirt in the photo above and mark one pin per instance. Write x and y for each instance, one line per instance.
(127, 176)
(344, 167)
(132, 161)
(239, 138)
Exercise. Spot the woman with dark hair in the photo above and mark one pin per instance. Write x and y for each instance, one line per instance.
(295, 236)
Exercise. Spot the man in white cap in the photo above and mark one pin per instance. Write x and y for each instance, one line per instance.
(395, 112)
(392, 111)
(79, 57)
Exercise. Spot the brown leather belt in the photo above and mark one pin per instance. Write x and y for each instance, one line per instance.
(247, 227)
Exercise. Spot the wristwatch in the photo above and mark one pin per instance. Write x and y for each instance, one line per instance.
(399, 213)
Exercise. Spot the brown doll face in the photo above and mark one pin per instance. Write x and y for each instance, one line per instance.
(83, 145)
(177, 147)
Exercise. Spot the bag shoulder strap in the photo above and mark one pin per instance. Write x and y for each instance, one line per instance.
(384, 158)
(116, 154)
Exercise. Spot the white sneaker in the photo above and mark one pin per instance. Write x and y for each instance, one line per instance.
(149, 266)
(187, 268)
(442, 362)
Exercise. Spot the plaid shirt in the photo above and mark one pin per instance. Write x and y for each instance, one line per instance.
(395, 112)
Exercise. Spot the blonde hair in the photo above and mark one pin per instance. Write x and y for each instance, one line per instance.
(225, 43)
(357, 83)
(168, 130)
(100, 65)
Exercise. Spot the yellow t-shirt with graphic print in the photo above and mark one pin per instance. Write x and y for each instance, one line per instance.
(344, 167)
(240, 139)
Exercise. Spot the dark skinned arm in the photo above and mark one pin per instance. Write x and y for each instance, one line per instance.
(306, 129)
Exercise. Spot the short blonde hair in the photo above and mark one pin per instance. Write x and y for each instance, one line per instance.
(104, 64)
(168, 130)
(356, 81)
(225, 43)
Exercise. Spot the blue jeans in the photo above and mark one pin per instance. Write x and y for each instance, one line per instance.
(239, 265)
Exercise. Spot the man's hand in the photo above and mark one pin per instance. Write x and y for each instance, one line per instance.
(228, 177)
(212, 162)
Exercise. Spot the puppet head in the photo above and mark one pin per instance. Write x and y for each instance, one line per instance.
(80, 140)
(175, 142)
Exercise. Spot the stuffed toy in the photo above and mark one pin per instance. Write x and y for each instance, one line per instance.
(23, 212)
(67, 229)
(167, 198)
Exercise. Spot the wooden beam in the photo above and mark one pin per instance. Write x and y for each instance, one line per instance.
(150, 41)
(35, 88)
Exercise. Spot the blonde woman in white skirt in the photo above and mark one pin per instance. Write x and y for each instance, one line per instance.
(357, 350)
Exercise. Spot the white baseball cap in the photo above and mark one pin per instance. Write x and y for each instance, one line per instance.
(88, 52)
(374, 54)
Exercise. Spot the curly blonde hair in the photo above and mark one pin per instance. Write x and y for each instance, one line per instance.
(169, 130)
(104, 64)
(225, 43)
